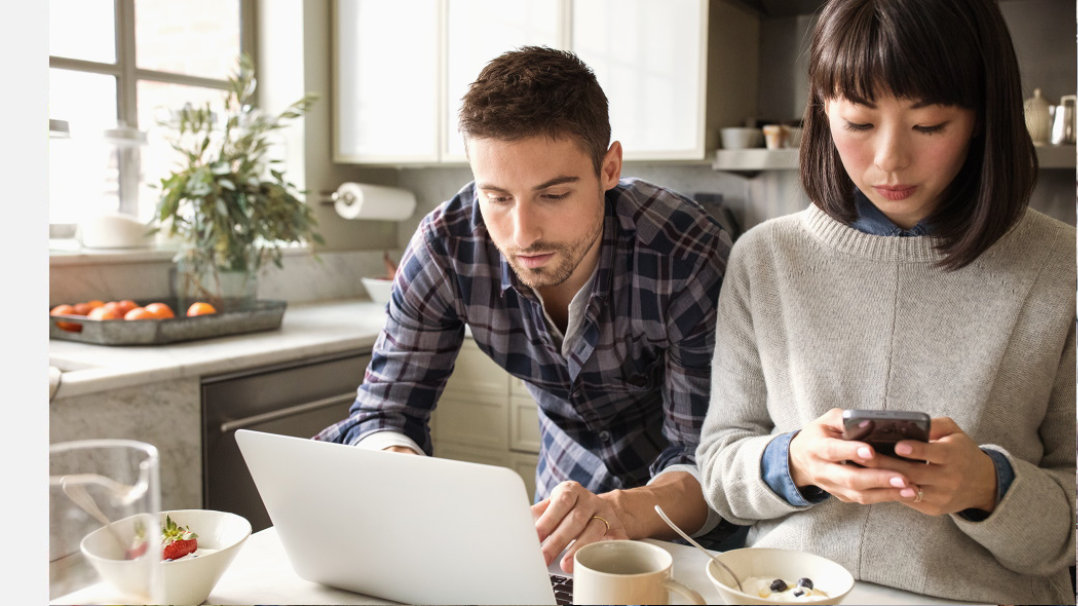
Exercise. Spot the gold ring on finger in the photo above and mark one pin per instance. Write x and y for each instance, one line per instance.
(605, 523)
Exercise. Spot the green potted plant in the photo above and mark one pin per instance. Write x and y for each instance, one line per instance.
(227, 205)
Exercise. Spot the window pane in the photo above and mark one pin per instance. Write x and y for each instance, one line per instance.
(83, 29)
(83, 173)
(155, 101)
(193, 37)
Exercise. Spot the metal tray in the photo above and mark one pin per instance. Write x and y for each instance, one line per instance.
(231, 319)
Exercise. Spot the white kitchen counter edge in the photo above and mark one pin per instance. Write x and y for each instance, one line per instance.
(307, 330)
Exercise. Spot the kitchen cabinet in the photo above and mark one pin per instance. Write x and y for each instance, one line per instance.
(487, 416)
(674, 72)
(297, 398)
(752, 161)
(386, 80)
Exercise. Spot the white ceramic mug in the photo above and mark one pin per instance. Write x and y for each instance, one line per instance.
(625, 572)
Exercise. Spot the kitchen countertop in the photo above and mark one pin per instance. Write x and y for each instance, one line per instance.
(262, 574)
(307, 329)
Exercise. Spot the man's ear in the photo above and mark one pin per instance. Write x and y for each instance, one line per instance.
(610, 172)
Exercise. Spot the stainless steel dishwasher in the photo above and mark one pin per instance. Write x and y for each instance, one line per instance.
(296, 399)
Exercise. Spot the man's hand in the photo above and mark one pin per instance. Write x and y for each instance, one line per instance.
(573, 516)
(573, 513)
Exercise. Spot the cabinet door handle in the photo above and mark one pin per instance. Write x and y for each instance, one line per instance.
(273, 415)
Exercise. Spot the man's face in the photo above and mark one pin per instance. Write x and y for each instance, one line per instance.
(543, 205)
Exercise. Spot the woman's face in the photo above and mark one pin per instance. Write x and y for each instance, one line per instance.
(902, 154)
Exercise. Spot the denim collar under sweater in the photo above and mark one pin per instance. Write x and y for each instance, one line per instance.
(872, 221)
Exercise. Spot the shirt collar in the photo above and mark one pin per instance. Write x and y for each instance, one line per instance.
(872, 221)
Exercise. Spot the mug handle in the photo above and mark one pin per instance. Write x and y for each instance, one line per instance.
(688, 594)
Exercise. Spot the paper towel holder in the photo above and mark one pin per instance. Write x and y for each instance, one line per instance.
(329, 198)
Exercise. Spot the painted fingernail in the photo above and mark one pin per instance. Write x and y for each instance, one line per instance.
(864, 452)
(903, 449)
(898, 482)
(909, 493)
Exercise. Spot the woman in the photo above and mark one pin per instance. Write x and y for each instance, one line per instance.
(917, 280)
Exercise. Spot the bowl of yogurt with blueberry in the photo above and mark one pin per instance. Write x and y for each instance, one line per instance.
(779, 576)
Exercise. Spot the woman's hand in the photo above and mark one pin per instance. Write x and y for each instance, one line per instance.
(819, 457)
(958, 474)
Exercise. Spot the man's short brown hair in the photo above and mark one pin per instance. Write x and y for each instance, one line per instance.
(537, 90)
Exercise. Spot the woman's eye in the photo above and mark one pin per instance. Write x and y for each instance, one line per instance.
(855, 126)
(929, 130)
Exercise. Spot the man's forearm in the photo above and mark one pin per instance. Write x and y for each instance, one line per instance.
(677, 492)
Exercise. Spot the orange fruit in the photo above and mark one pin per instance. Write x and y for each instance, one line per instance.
(200, 308)
(82, 308)
(65, 310)
(139, 313)
(95, 303)
(105, 313)
(160, 311)
(123, 306)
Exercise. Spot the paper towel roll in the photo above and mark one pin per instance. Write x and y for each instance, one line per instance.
(377, 202)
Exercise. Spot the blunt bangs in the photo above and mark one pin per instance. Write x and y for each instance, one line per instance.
(870, 50)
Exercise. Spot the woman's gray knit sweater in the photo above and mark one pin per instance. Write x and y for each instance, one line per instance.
(814, 315)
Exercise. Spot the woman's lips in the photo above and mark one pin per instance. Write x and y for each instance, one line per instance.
(895, 192)
(534, 261)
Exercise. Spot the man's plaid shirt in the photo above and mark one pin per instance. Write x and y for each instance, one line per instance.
(629, 399)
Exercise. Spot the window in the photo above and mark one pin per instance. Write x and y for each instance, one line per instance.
(116, 70)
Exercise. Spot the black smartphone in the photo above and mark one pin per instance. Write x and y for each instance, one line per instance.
(882, 428)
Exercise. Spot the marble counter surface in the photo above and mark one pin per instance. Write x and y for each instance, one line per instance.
(308, 329)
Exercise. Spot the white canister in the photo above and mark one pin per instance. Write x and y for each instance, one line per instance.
(1038, 118)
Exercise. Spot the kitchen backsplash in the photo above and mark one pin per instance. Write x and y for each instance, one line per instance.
(304, 278)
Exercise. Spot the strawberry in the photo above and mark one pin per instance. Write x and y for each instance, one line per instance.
(178, 541)
(139, 545)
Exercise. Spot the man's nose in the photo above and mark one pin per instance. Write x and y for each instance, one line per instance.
(526, 225)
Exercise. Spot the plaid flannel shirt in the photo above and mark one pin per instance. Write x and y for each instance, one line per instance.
(630, 398)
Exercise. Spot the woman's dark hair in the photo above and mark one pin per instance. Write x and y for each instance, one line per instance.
(948, 52)
(536, 90)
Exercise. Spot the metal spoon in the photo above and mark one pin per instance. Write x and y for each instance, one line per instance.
(77, 493)
(684, 535)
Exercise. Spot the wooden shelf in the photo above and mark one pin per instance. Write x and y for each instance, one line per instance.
(753, 161)
(1056, 156)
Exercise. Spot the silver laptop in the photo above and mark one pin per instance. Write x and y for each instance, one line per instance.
(406, 528)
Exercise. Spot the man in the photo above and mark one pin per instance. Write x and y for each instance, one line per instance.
(600, 294)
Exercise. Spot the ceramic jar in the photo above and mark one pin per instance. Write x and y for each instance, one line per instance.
(1038, 118)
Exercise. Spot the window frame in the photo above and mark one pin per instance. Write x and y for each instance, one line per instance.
(128, 75)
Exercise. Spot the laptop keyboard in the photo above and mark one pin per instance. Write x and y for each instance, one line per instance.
(563, 588)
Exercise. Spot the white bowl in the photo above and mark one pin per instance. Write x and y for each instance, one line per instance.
(184, 581)
(378, 289)
(785, 564)
(741, 138)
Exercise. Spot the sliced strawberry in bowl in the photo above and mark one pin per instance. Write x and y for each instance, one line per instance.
(177, 541)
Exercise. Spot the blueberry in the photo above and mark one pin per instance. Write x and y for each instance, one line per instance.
(778, 585)
(804, 582)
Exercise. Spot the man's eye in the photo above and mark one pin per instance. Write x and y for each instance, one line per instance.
(556, 196)
(498, 199)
